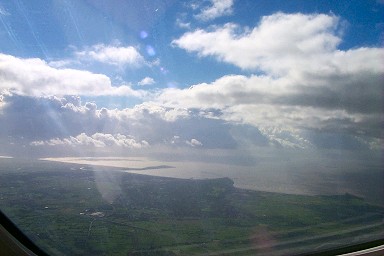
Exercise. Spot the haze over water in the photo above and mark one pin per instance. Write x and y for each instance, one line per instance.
(291, 179)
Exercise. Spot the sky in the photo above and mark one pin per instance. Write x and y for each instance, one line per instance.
(240, 82)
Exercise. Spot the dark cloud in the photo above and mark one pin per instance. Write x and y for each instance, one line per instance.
(355, 93)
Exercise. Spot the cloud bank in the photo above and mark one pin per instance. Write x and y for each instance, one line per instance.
(301, 92)
(99, 140)
(304, 80)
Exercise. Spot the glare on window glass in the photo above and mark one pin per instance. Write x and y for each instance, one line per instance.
(192, 127)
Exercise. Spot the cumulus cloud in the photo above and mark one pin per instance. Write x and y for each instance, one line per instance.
(306, 81)
(217, 9)
(182, 24)
(112, 55)
(309, 94)
(279, 42)
(41, 119)
(61, 117)
(262, 100)
(146, 81)
(34, 77)
(67, 122)
(99, 140)
(194, 143)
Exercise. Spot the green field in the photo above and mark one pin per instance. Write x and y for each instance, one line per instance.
(70, 209)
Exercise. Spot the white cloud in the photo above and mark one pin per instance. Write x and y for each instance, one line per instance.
(98, 140)
(3, 11)
(217, 9)
(34, 77)
(112, 55)
(146, 109)
(62, 63)
(146, 81)
(330, 104)
(57, 117)
(308, 94)
(175, 139)
(69, 122)
(181, 24)
(307, 83)
(1, 102)
(285, 137)
(194, 143)
(279, 43)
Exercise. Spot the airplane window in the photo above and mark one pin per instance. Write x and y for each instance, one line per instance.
(202, 127)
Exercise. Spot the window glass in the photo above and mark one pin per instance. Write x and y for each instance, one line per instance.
(192, 127)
